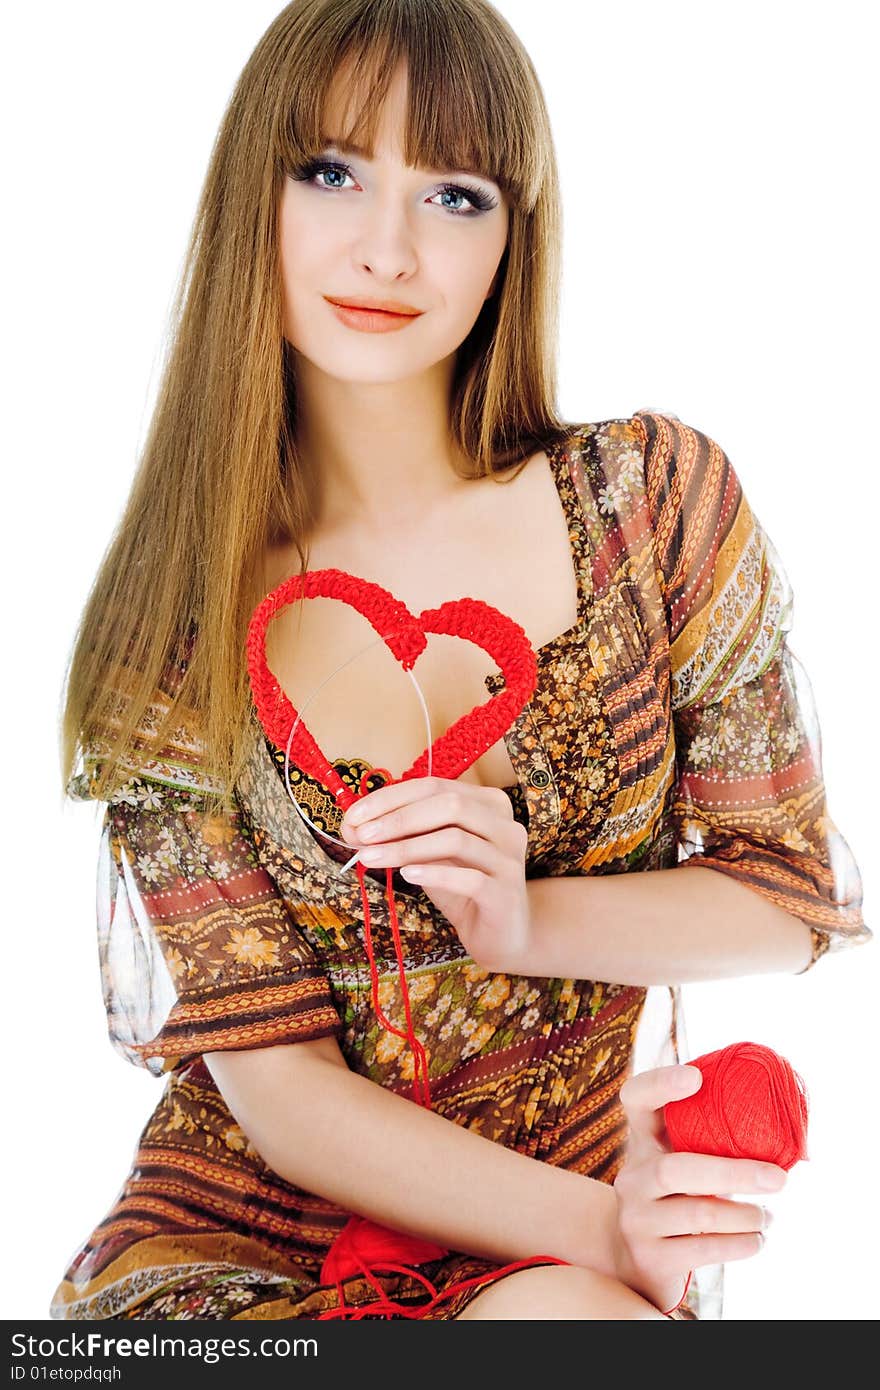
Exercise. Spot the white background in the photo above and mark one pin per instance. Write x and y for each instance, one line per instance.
(718, 180)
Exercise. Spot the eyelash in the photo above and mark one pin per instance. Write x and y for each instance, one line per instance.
(481, 202)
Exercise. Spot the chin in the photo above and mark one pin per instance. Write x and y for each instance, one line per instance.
(371, 370)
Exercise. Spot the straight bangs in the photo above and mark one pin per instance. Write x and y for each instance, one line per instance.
(470, 101)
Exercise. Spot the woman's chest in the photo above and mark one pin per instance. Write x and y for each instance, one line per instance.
(591, 755)
(508, 544)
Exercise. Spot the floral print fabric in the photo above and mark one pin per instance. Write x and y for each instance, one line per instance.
(671, 725)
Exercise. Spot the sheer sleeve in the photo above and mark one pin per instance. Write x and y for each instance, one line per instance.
(750, 799)
(198, 949)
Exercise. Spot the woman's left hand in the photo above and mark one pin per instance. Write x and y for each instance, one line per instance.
(461, 844)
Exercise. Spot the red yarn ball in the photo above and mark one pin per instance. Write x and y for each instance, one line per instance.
(752, 1104)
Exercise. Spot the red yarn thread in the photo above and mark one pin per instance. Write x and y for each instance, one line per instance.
(420, 1060)
(752, 1104)
(363, 1246)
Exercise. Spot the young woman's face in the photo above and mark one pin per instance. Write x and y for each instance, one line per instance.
(380, 231)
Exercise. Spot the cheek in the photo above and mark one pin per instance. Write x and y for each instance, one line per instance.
(464, 275)
(307, 244)
(310, 257)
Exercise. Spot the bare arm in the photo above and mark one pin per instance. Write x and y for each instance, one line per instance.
(660, 927)
(333, 1132)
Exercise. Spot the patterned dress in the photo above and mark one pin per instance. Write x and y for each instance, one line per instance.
(671, 725)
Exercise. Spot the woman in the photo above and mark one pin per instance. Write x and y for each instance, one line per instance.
(396, 159)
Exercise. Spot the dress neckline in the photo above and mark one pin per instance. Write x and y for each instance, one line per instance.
(559, 461)
(535, 783)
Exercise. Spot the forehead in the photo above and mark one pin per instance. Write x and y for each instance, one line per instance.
(346, 108)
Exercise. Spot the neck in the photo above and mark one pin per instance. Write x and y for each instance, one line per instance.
(377, 454)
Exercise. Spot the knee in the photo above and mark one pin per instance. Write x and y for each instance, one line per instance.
(563, 1292)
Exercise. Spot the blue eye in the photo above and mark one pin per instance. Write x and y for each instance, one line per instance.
(478, 200)
(326, 169)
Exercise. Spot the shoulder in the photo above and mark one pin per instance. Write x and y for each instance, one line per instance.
(656, 459)
(685, 468)
(659, 433)
(615, 463)
(646, 438)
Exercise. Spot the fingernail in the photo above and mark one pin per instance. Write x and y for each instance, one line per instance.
(687, 1077)
(767, 1218)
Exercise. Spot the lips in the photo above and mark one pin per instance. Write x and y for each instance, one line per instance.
(364, 318)
(378, 306)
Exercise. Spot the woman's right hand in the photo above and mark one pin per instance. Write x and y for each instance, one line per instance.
(670, 1218)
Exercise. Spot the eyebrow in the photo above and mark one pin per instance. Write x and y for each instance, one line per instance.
(348, 147)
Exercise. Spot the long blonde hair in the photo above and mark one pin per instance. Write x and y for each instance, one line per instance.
(219, 478)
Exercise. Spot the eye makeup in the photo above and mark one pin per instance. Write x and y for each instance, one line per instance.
(480, 200)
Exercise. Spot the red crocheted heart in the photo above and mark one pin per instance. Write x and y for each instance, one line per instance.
(405, 634)
(362, 1245)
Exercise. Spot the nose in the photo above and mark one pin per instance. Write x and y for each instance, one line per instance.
(385, 243)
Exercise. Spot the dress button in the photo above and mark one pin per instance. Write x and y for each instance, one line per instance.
(539, 778)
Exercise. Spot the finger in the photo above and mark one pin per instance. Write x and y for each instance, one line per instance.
(691, 1252)
(644, 1095)
(444, 877)
(706, 1173)
(395, 794)
(647, 1091)
(452, 843)
(449, 807)
(677, 1216)
(390, 797)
